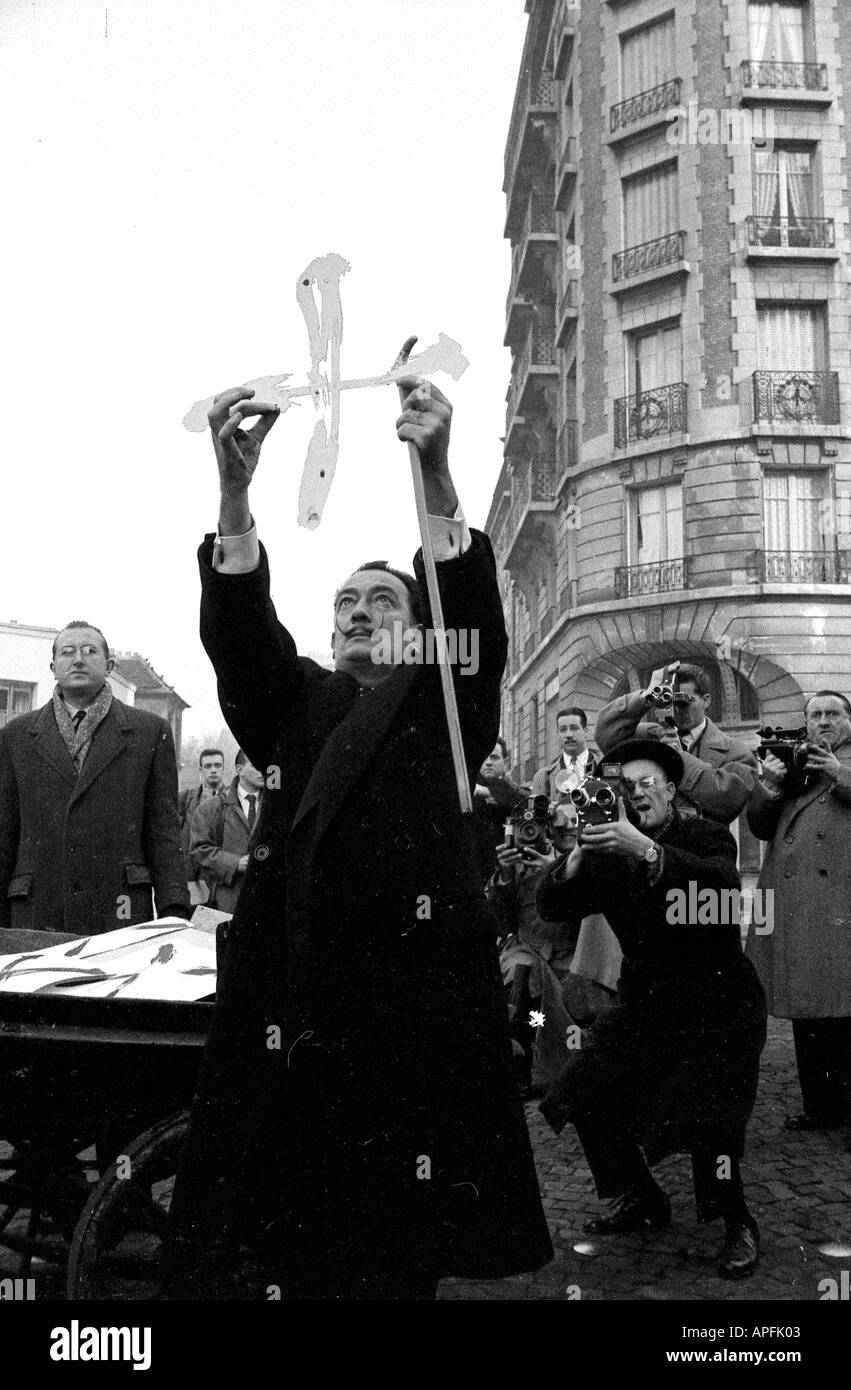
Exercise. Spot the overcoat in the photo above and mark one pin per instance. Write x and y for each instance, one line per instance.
(83, 853)
(219, 837)
(357, 1090)
(690, 1013)
(718, 778)
(805, 961)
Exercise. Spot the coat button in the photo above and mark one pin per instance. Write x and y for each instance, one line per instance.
(819, 834)
(788, 873)
(790, 839)
(822, 798)
(403, 843)
(261, 852)
(823, 873)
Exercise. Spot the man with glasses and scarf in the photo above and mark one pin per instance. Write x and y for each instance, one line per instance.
(674, 1064)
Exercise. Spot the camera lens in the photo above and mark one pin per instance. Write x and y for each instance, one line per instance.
(580, 797)
(605, 797)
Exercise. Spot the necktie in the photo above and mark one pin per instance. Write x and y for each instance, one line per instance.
(77, 719)
(686, 740)
(252, 811)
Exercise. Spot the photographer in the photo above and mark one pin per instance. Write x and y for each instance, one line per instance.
(805, 963)
(495, 796)
(675, 1064)
(718, 771)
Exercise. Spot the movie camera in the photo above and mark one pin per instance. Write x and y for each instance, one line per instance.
(792, 747)
(596, 799)
(530, 826)
(664, 690)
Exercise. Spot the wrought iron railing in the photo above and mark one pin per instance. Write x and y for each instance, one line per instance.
(808, 77)
(650, 255)
(538, 91)
(796, 397)
(636, 108)
(659, 578)
(566, 447)
(536, 484)
(791, 231)
(540, 215)
(664, 410)
(802, 566)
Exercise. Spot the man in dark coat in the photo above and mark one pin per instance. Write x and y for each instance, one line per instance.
(357, 1123)
(675, 1064)
(222, 832)
(211, 763)
(89, 831)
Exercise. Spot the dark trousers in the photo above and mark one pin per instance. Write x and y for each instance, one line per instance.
(823, 1055)
(617, 1164)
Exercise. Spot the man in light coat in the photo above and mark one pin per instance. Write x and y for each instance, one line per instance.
(718, 771)
(805, 961)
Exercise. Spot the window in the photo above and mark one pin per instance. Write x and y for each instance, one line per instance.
(650, 204)
(790, 336)
(16, 698)
(655, 529)
(655, 358)
(778, 31)
(798, 513)
(647, 57)
(784, 191)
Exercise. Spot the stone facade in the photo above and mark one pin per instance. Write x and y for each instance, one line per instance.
(584, 444)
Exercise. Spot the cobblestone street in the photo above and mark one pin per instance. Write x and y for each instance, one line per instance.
(798, 1187)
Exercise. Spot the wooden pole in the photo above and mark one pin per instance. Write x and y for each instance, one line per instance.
(450, 702)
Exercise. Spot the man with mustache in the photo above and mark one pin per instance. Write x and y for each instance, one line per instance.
(357, 1127)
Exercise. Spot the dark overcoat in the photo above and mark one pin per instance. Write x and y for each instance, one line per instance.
(689, 1024)
(357, 1087)
(219, 837)
(83, 853)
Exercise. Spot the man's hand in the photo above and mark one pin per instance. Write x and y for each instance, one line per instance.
(619, 837)
(516, 864)
(822, 760)
(426, 421)
(238, 451)
(242, 866)
(773, 772)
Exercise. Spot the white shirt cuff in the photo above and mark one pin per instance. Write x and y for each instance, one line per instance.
(237, 554)
(450, 535)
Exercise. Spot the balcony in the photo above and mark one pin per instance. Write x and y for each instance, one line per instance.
(664, 253)
(567, 313)
(795, 83)
(565, 31)
(795, 397)
(801, 238)
(534, 495)
(534, 110)
(566, 172)
(535, 364)
(645, 110)
(802, 566)
(650, 414)
(663, 576)
(566, 454)
(537, 234)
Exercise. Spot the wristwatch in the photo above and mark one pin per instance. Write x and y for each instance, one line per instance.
(651, 854)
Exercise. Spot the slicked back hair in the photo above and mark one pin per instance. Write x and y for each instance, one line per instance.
(210, 753)
(408, 580)
(78, 622)
(573, 709)
(694, 675)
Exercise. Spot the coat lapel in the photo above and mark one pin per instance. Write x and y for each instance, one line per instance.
(109, 739)
(352, 746)
(49, 744)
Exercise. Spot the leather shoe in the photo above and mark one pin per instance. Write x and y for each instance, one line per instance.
(640, 1206)
(740, 1251)
(807, 1122)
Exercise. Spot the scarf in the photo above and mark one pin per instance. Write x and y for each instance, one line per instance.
(78, 741)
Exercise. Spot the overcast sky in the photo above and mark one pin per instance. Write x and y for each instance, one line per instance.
(170, 166)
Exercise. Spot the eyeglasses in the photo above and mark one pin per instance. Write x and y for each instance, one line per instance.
(644, 783)
(89, 649)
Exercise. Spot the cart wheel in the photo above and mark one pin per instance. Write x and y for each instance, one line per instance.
(115, 1252)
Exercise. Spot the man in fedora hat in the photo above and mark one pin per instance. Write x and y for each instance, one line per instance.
(675, 1064)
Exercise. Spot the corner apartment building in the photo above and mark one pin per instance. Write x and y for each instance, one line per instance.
(677, 471)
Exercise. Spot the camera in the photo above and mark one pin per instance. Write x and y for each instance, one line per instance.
(530, 826)
(666, 691)
(792, 747)
(596, 799)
